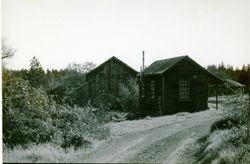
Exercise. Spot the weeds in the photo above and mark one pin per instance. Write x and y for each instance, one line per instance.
(72, 130)
(42, 153)
(229, 141)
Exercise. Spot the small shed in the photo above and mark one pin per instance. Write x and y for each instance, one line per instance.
(233, 84)
(174, 85)
(104, 81)
(229, 87)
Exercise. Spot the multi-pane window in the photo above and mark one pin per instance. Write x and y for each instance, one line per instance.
(184, 89)
(152, 89)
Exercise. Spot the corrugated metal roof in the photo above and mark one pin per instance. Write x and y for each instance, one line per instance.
(160, 66)
(234, 83)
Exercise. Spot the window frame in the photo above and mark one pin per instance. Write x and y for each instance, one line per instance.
(152, 89)
(184, 89)
(143, 89)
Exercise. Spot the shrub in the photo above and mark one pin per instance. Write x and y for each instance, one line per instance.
(25, 112)
(29, 116)
(225, 123)
(76, 126)
(129, 94)
(228, 146)
(229, 141)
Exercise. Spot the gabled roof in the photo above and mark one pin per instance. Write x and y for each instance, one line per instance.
(110, 59)
(160, 66)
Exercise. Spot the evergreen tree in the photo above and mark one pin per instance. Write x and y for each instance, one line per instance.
(221, 67)
(36, 73)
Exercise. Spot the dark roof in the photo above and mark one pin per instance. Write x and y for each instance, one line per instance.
(160, 66)
(233, 83)
(116, 59)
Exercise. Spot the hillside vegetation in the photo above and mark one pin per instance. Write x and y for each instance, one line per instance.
(229, 140)
(32, 116)
(44, 113)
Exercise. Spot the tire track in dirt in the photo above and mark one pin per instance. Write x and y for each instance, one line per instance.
(162, 150)
(154, 145)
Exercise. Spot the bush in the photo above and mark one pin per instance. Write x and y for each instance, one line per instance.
(129, 95)
(229, 141)
(76, 126)
(25, 112)
(228, 146)
(29, 116)
(225, 123)
(236, 107)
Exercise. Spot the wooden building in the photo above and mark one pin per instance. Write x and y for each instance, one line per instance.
(174, 85)
(104, 81)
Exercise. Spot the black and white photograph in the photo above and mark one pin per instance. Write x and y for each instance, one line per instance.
(125, 81)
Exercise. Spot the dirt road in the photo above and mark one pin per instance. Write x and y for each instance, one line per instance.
(154, 140)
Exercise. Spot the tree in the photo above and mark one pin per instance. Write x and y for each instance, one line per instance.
(25, 112)
(81, 68)
(7, 51)
(212, 67)
(65, 85)
(221, 67)
(88, 66)
(36, 74)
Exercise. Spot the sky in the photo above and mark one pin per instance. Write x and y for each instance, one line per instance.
(59, 32)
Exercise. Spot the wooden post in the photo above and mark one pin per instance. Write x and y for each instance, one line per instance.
(142, 85)
(163, 97)
(216, 90)
(143, 61)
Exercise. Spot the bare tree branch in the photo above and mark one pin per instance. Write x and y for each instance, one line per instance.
(7, 51)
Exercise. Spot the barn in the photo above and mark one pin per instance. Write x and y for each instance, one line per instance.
(174, 85)
(104, 82)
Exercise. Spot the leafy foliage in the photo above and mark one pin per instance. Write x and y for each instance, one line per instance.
(66, 89)
(129, 95)
(30, 116)
(75, 126)
(65, 85)
(229, 141)
(25, 114)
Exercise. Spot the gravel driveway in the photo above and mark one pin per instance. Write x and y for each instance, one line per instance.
(163, 139)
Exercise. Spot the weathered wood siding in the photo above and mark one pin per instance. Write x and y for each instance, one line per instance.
(151, 106)
(185, 70)
(167, 99)
(108, 77)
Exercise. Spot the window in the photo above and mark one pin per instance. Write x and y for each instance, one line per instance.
(152, 89)
(184, 89)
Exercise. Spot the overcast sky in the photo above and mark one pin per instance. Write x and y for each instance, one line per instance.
(59, 32)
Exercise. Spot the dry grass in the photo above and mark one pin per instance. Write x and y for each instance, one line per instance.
(44, 153)
(230, 144)
(223, 147)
